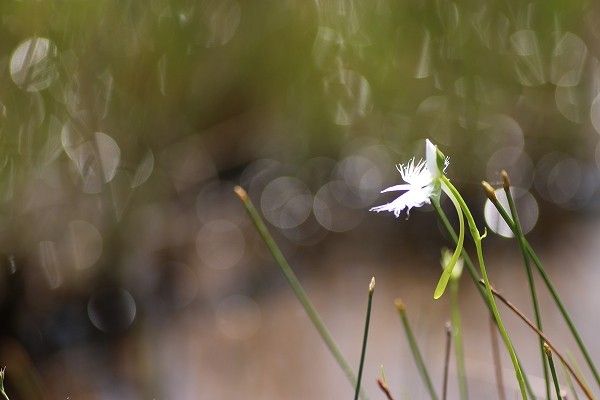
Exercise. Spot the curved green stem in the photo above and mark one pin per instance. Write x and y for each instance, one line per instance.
(443, 282)
(477, 241)
(414, 348)
(474, 275)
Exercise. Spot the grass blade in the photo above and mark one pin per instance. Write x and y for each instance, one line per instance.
(541, 334)
(447, 360)
(548, 352)
(521, 241)
(292, 280)
(365, 337)
(548, 282)
(414, 348)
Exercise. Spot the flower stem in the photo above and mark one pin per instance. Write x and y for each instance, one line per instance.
(521, 241)
(548, 282)
(447, 272)
(292, 280)
(473, 274)
(415, 349)
(477, 241)
(365, 336)
(458, 341)
(548, 352)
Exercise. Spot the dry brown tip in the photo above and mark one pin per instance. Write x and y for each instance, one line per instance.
(505, 179)
(372, 285)
(382, 384)
(241, 193)
(448, 327)
(399, 305)
(489, 190)
(547, 349)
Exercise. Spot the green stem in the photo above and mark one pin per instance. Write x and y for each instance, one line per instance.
(458, 341)
(552, 370)
(292, 280)
(538, 264)
(447, 360)
(477, 241)
(473, 274)
(414, 348)
(365, 336)
(536, 308)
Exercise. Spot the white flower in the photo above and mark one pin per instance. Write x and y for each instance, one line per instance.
(420, 183)
(431, 155)
(418, 188)
(436, 161)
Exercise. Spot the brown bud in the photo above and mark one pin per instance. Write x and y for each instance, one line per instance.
(399, 305)
(505, 179)
(489, 190)
(242, 194)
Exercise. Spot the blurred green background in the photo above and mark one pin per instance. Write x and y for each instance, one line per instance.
(130, 271)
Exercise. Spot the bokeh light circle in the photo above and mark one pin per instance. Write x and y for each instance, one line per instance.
(527, 207)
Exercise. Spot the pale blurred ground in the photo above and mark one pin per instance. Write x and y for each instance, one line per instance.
(284, 357)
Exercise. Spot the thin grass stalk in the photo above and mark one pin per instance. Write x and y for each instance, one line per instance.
(548, 282)
(447, 360)
(528, 322)
(548, 352)
(479, 250)
(414, 348)
(458, 340)
(292, 280)
(497, 361)
(365, 337)
(567, 377)
(472, 270)
(576, 367)
(521, 241)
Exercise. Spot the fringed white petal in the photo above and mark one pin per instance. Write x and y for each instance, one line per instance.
(415, 197)
(396, 188)
(420, 178)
